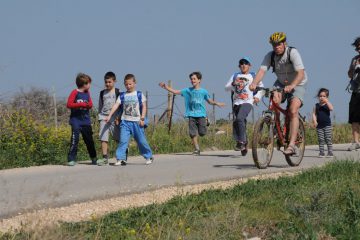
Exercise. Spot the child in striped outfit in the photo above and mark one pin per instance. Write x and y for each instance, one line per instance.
(322, 122)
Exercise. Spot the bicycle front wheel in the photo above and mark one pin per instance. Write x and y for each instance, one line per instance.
(263, 142)
(295, 160)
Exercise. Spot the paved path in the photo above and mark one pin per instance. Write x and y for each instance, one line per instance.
(32, 188)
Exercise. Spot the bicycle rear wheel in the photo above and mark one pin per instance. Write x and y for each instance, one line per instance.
(295, 160)
(263, 142)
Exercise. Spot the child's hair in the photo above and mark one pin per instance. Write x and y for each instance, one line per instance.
(197, 74)
(82, 79)
(129, 76)
(110, 75)
(325, 90)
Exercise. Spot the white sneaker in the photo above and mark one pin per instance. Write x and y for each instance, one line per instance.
(118, 163)
(149, 161)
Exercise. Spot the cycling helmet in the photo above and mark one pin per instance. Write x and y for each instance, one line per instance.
(277, 37)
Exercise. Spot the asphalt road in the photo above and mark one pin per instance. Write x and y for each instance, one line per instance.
(27, 189)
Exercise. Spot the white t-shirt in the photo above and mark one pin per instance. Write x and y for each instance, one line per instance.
(242, 93)
(131, 107)
(284, 70)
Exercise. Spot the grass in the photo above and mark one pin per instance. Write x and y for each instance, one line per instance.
(321, 203)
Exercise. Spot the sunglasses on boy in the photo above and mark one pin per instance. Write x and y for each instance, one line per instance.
(244, 62)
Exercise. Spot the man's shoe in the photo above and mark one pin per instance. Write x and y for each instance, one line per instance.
(321, 155)
(71, 163)
(243, 149)
(354, 146)
(196, 152)
(149, 161)
(330, 155)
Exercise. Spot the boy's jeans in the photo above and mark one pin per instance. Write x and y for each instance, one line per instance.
(239, 125)
(128, 128)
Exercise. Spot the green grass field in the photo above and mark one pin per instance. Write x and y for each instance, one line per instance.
(321, 203)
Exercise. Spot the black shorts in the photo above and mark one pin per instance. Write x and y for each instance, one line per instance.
(197, 125)
(354, 108)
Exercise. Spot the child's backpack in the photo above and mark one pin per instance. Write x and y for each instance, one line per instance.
(272, 62)
(354, 84)
(139, 96)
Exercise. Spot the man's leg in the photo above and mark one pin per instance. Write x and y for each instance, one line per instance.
(355, 131)
(293, 112)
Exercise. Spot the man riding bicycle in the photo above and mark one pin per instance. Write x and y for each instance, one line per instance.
(290, 72)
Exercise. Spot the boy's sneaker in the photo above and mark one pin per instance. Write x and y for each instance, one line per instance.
(330, 155)
(321, 155)
(238, 146)
(71, 163)
(196, 152)
(120, 162)
(102, 162)
(354, 146)
(94, 161)
(149, 161)
(243, 149)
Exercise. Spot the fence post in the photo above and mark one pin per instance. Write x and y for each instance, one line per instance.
(55, 112)
(169, 102)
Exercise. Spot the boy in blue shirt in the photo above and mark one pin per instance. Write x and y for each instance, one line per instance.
(195, 109)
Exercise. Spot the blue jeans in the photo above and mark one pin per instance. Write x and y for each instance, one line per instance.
(128, 129)
(239, 125)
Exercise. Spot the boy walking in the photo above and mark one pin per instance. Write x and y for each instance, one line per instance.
(107, 100)
(195, 109)
(243, 100)
(133, 107)
(80, 102)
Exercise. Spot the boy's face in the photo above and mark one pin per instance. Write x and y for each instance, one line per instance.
(86, 86)
(109, 83)
(194, 80)
(130, 85)
(244, 66)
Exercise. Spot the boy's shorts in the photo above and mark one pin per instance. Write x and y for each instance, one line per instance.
(197, 125)
(299, 92)
(111, 127)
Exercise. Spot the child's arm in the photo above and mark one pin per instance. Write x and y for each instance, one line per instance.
(168, 88)
(229, 85)
(328, 103)
(113, 110)
(211, 102)
(71, 101)
(314, 119)
(143, 114)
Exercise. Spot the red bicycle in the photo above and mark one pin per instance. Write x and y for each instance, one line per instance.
(272, 126)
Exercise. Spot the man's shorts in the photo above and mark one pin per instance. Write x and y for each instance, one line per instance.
(197, 125)
(299, 92)
(354, 106)
(111, 127)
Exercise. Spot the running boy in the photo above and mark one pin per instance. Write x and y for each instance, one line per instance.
(242, 101)
(195, 109)
(107, 100)
(322, 122)
(133, 106)
(80, 102)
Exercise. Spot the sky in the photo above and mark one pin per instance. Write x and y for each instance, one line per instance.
(45, 43)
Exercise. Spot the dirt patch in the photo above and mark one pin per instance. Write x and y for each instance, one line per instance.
(94, 209)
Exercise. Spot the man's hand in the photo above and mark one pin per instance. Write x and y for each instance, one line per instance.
(252, 87)
(220, 104)
(256, 100)
(162, 85)
(289, 88)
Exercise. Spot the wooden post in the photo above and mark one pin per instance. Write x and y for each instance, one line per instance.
(55, 111)
(171, 112)
(169, 102)
(213, 110)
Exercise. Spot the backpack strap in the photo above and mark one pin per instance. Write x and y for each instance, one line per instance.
(139, 96)
(117, 93)
(102, 97)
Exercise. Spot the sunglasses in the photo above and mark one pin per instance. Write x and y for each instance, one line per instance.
(244, 62)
